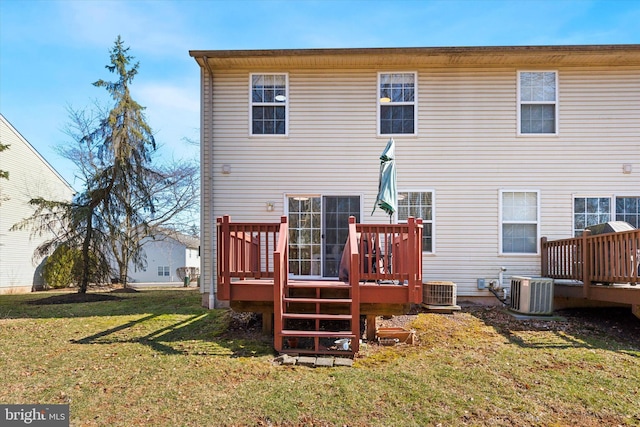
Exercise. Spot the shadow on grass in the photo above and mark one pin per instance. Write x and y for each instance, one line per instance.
(169, 321)
(42, 305)
(612, 328)
(205, 334)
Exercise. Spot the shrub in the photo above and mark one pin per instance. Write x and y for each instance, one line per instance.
(59, 267)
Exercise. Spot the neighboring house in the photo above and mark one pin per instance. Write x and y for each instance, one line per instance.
(30, 176)
(165, 253)
(496, 147)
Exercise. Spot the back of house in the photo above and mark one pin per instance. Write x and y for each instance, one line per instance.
(496, 147)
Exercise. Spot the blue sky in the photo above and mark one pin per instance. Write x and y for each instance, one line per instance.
(51, 51)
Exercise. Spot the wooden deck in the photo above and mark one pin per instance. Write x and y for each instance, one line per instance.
(381, 274)
(603, 267)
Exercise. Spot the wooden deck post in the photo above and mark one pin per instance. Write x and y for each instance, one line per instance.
(371, 327)
(586, 264)
(354, 281)
(544, 257)
(224, 259)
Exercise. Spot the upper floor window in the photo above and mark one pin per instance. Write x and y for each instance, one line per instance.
(269, 104)
(418, 205)
(397, 103)
(538, 102)
(519, 219)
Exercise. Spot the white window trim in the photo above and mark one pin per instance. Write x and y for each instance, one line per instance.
(433, 216)
(502, 222)
(286, 107)
(414, 103)
(556, 102)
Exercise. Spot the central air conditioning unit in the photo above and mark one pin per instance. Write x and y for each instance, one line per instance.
(531, 295)
(439, 293)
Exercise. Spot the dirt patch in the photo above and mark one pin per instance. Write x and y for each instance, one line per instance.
(613, 322)
(125, 290)
(72, 298)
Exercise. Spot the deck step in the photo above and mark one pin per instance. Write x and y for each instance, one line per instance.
(318, 300)
(319, 284)
(316, 316)
(320, 334)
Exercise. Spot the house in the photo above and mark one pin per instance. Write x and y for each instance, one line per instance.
(496, 147)
(165, 252)
(30, 176)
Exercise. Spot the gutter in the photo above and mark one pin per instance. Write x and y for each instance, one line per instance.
(213, 290)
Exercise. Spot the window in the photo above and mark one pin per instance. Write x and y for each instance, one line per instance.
(269, 104)
(418, 205)
(590, 211)
(397, 103)
(163, 270)
(519, 212)
(538, 107)
(628, 209)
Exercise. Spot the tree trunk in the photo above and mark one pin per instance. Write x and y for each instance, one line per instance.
(86, 259)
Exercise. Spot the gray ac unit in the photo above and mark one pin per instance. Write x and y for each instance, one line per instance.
(531, 295)
(439, 293)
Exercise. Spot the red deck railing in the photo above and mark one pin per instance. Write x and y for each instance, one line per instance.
(603, 258)
(281, 265)
(245, 251)
(391, 253)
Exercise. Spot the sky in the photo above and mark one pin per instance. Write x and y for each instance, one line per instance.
(51, 51)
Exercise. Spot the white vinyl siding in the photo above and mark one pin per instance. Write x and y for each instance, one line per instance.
(30, 176)
(466, 148)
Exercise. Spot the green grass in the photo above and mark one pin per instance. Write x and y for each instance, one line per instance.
(156, 358)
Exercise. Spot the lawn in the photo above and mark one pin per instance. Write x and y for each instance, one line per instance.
(156, 358)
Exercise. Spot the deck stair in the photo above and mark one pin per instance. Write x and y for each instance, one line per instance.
(318, 317)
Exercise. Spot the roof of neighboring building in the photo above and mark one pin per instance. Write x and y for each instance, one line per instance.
(8, 124)
(191, 242)
(481, 56)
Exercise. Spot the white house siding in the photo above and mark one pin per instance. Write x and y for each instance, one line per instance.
(30, 176)
(466, 150)
(164, 252)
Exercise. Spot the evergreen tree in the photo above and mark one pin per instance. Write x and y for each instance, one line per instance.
(116, 209)
(121, 181)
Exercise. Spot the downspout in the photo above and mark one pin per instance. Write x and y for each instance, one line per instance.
(209, 103)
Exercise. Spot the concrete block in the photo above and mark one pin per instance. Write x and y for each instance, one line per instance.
(307, 361)
(343, 361)
(324, 362)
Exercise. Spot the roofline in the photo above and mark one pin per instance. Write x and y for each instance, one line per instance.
(606, 48)
(36, 152)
